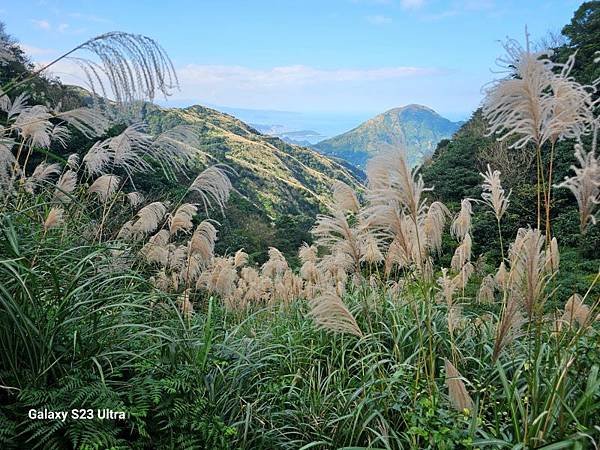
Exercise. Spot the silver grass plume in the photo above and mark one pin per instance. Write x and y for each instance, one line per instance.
(519, 104)
(182, 219)
(462, 224)
(55, 218)
(240, 258)
(7, 164)
(60, 134)
(493, 194)
(276, 265)
(462, 254)
(344, 197)
(203, 241)
(509, 326)
(177, 148)
(535, 102)
(90, 122)
(462, 277)
(98, 157)
(329, 312)
(213, 185)
(105, 186)
(33, 124)
(392, 182)
(65, 186)
(552, 256)
(370, 251)
(308, 253)
(486, 290)
(335, 232)
(585, 185)
(149, 218)
(42, 172)
(185, 305)
(433, 225)
(528, 276)
(501, 276)
(132, 67)
(572, 105)
(73, 161)
(576, 311)
(127, 150)
(457, 391)
(135, 199)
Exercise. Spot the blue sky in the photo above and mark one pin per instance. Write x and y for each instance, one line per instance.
(347, 57)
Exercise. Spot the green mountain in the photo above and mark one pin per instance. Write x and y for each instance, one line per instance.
(279, 187)
(275, 176)
(416, 127)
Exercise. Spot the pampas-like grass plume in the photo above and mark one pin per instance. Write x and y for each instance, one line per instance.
(132, 67)
(135, 199)
(576, 311)
(54, 219)
(41, 173)
(519, 104)
(335, 232)
(73, 162)
(90, 122)
(393, 183)
(457, 391)
(33, 124)
(97, 159)
(213, 185)
(308, 253)
(433, 225)
(149, 217)
(105, 186)
(501, 276)
(329, 312)
(493, 193)
(370, 251)
(486, 290)
(585, 186)
(462, 254)
(552, 256)
(65, 186)
(127, 150)
(344, 197)
(185, 305)
(509, 326)
(203, 241)
(572, 105)
(528, 269)
(182, 219)
(276, 265)
(240, 258)
(462, 224)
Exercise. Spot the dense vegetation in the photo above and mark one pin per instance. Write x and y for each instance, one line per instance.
(120, 291)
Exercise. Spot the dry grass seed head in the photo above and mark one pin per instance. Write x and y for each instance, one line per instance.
(457, 391)
(329, 312)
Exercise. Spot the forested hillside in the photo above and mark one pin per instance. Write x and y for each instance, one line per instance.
(456, 166)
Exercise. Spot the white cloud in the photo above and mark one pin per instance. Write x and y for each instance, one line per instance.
(294, 75)
(36, 51)
(63, 27)
(411, 4)
(41, 24)
(379, 19)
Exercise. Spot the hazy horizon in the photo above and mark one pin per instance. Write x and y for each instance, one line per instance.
(341, 61)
